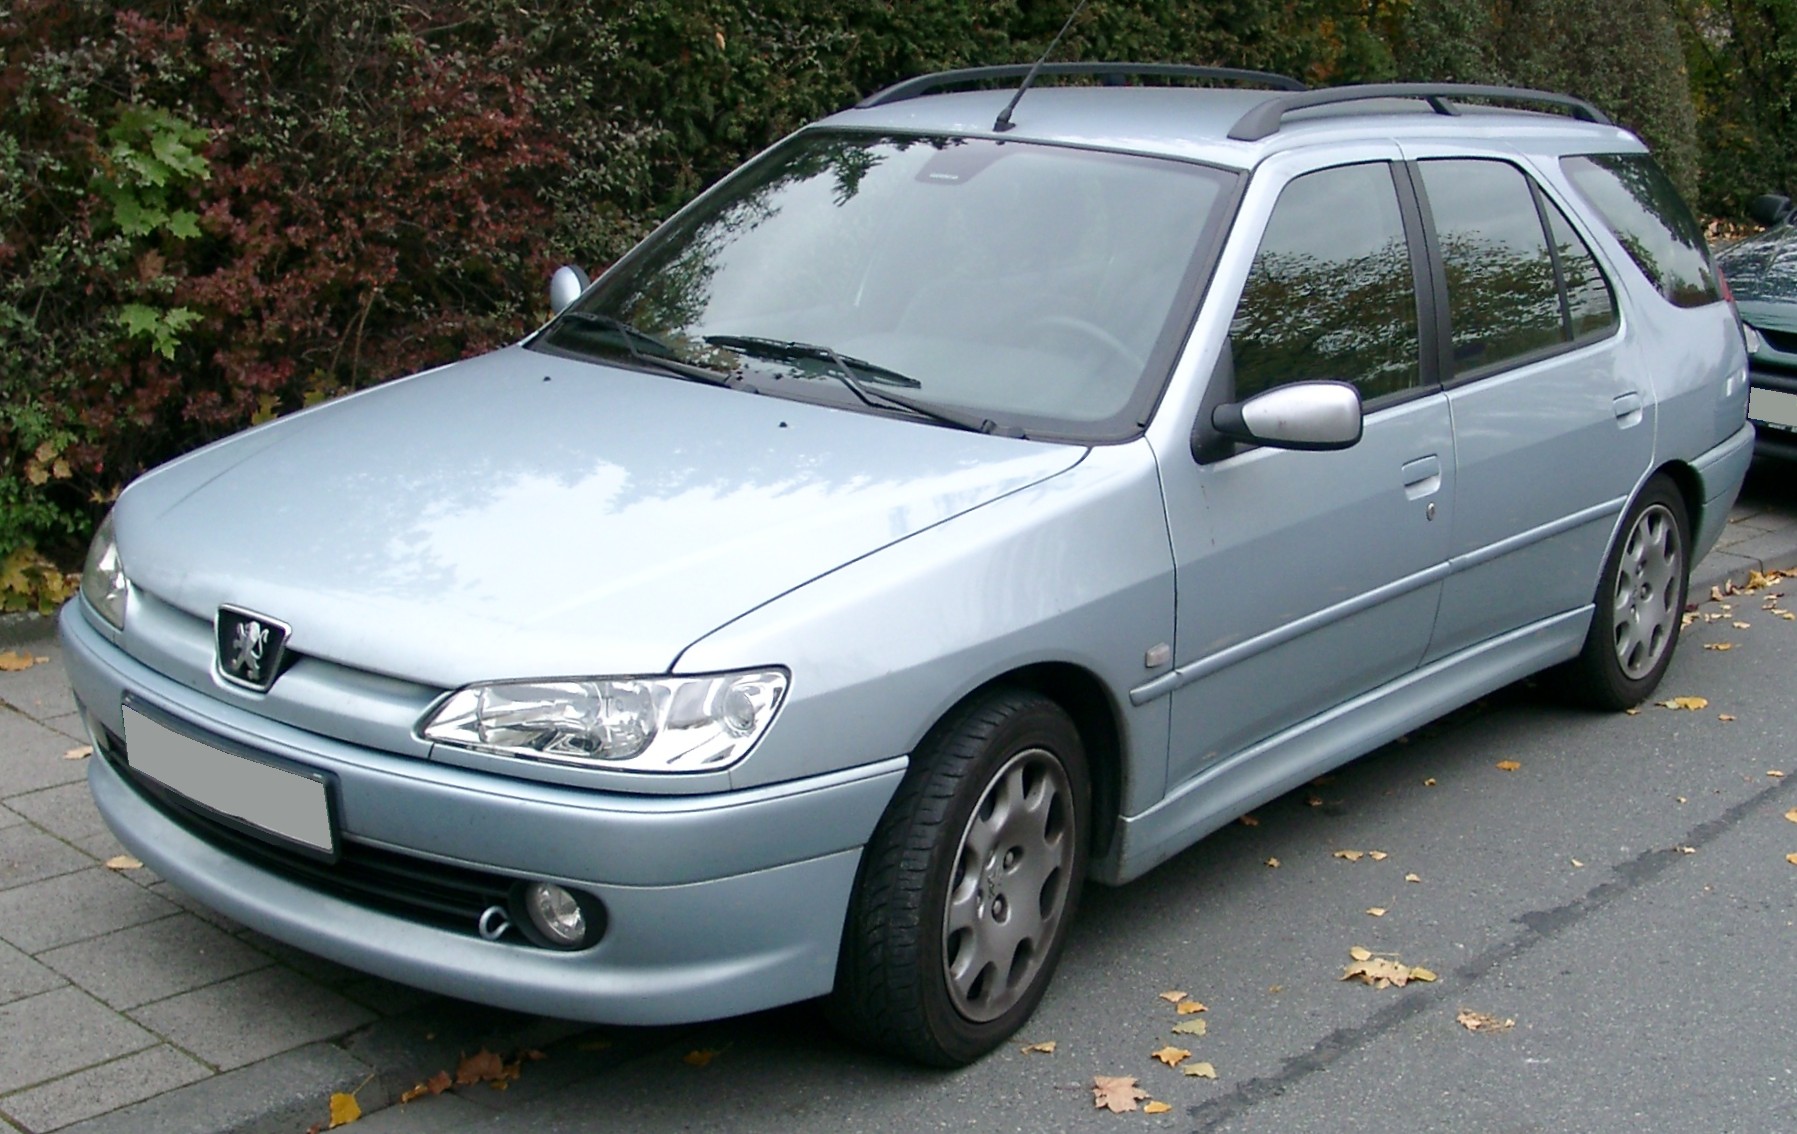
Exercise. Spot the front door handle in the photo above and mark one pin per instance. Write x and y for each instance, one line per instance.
(1422, 477)
(1627, 407)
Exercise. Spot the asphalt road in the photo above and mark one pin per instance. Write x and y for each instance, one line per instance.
(1623, 896)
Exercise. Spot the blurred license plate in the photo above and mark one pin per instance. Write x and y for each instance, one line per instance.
(287, 805)
(1772, 407)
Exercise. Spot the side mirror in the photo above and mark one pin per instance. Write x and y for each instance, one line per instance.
(1769, 208)
(1303, 415)
(565, 287)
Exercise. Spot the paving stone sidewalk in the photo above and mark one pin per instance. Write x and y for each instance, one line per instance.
(126, 1006)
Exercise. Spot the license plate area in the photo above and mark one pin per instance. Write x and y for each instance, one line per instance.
(253, 792)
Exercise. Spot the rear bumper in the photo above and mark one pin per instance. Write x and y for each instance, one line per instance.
(1719, 474)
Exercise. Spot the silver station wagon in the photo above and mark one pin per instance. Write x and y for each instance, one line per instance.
(969, 497)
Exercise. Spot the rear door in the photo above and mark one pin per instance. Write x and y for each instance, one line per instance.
(1552, 428)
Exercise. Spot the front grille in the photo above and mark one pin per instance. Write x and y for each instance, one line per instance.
(418, 889)
(1784, 342)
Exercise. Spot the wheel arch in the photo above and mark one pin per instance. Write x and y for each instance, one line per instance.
(1097, 717)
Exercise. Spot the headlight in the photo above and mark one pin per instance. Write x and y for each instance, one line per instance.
(637, 724)
(103, 581)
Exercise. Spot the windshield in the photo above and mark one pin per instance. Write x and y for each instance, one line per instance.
(1027, 288)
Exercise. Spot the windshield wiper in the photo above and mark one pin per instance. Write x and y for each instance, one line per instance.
(663, 359)
(843, 369)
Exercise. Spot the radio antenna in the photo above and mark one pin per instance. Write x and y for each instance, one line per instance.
(1003, 122)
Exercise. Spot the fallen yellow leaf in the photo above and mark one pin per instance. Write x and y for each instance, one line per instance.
(1482, 1022)
(1792, 859)
(1046, 1047)
(1508, 765)
(1743, 626)
(1360, 953)
(1376, 911)
(1172, 1056)
(1785, 614)
(1792, 815)
(1412, 878)
(1577, 863)
(1350, 855)
(344, 1110)
(482, 1066)
(1775, 773)
(1718, 645)
(1422, 974)
(123, 862)
(11, 661)
(1686, 703)
(1200, 1070)
(1189, 1007)
(700, 1057)
(1191, 1028)
(1685, 850)
(435, 1085)
(1725, 716)
(1273, 862)
(80, 753)
(1116, 1093)
(1173, 997)
(1631, 712)
(1156, 1106)
(1377, 855)
(1430, 782)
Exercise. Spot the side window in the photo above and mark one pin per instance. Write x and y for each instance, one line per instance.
(1331, 293)
(1590, 304)
(1503, 299)
(1637, 201)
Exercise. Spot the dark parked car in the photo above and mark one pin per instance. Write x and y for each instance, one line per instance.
(1763, 273)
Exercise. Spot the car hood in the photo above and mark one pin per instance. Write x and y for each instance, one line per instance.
(1762, 273)
(523, 515)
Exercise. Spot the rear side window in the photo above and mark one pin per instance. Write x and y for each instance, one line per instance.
(1638, 203)
(1521, 283)
(1331, 293)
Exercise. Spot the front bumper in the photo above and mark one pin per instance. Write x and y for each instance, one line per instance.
(715, 904)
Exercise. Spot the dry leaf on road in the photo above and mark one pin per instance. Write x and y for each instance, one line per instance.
(1792, 859)
(1376, 911)
(1172, 1056)
(1046, 1047)
(1116, 1093)
(1382, 972)
(1174, 997)
(123, 862)
(1350, 855)
(1273, 862)
(80, 753)
(344, 1110)
(1508, 765)
(1792, 815)
(12, 661)
(1718, 645)
(1377, 855)
(1690, 703)
(1483, 1022)
(1189, 1007)
(1200, 1070)
(1725, 716)
(1412, 878)
(435, 1085)
(1156, 1107)
(482, 1066)
(1430, 782)
(1191, 1028)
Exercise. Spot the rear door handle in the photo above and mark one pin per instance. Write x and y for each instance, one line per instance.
(1422, 477)
(1627, 407)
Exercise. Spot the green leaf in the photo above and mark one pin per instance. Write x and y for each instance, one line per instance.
(184, 223)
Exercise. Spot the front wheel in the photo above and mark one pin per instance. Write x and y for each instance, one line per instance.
(1640, 604)
(968, 886)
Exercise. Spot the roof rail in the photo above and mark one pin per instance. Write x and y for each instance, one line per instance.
(925, 84)
(1263, 121)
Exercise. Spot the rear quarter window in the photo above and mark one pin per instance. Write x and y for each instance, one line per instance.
(1638, 203)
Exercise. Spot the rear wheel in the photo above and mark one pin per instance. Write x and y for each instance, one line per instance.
(969, 884)
(1640, 604)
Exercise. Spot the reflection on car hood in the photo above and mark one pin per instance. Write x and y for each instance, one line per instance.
(520, 515)
(1762, 272)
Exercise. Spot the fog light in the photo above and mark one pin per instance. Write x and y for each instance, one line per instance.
(556, 914)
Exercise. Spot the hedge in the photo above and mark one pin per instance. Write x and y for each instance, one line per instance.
(217, 211)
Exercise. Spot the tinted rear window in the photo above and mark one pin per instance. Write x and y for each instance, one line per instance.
(1638, 203)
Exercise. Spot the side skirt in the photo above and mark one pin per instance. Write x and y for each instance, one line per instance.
(1251, 777)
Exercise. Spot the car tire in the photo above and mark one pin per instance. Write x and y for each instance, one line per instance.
(969, 884)
(1640, 604)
